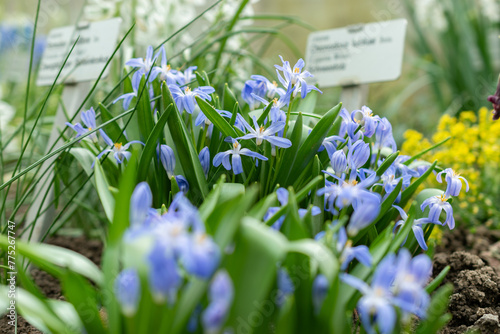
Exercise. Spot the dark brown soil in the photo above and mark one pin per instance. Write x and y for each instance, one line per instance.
(49, 285)
(474, 259)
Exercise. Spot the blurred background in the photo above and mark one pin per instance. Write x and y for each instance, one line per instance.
(452, 56)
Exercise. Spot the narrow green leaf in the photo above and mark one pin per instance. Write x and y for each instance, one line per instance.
(187, 153)
(113, 130)
(102, 187)
(56, 260)
(290, 153)
(416, 156)
(214, 117)
(84, 298)
(311, 145)
(437, 281)
(149, 150)
(387, 163)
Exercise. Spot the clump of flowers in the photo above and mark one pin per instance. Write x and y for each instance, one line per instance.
(473, 150)
(329, 192)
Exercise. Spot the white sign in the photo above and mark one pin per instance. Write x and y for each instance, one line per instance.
(95, 45)
(357, 54)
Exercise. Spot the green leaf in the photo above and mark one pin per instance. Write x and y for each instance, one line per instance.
(290, 153)
(437, 281)
(293, 227)
(113, 130)
(39, 314)
(310, 146)
(102, 187)
(257, 251)
(384, 218)
(265, 112)
(187, 153)
(84, 157)
(321, 257)
(230, 99)
(387, 163)
(144, 112)
(416, 156)
(84, 298)
(149, 150)
(214, 117)
(56, 260)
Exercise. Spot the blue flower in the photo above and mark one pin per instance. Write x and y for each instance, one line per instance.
(453, 180)
(220, 295)
(348, 126)
(251, 89)
(236, 152)
(346, 193)
(260, 133)
(416, 227)
(285, 287)
(358, 155)
(118, 149)
(390, 182)
(127, 290)
(364, 215)
(349, 253)
(295, 77)
(329, 143)
(185, 97)
(88, 118)
(276, 114)
(383, 136)
(204, 157)
(164, 72)
(140, 204)
(167, 158)
(127, 98)
(436, 205)
(144, 64)
(202, 256)
(377, 300)
(338, 161)
(184, 78)
(164, 274)
(271, 88)
(367, 120)
(404, 170)
(320, 289)
(182, 183)
(411, 278)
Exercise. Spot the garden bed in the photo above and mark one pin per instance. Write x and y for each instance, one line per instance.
(50, 286)
(474, 260)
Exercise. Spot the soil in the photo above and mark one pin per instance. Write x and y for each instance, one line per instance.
(49, 285)
(474, 260)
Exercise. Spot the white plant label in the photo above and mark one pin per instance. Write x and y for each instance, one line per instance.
(357, 54)
(96, 43)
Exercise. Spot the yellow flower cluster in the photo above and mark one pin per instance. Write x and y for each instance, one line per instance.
(473, 151)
